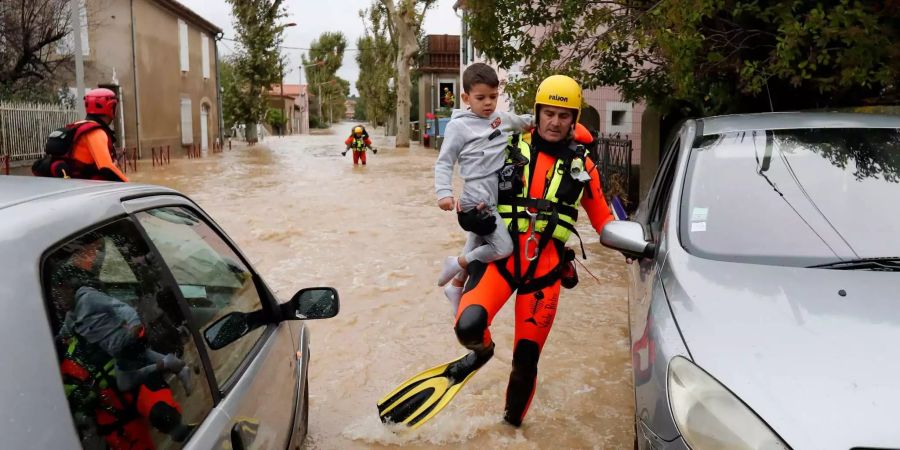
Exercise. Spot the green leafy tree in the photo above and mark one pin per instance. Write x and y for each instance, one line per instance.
(257, 63)
(359, 111)
(404, 20)
(376, 58)
(701, 57)
(276, 119)
(230, 93)
(31, 33)
(337, 104)
(326, 55)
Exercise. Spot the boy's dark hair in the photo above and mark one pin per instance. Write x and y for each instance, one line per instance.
(479, 73)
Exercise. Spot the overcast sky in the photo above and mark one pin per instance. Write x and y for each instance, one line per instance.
(313, 17)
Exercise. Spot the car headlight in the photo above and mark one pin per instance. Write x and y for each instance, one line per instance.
(710, 417)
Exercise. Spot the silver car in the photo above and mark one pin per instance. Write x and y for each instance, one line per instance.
(764, 307)
(132, 321)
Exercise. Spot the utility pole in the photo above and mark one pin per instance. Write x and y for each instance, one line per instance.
(79, 55)
(282, 126)
(281, 100)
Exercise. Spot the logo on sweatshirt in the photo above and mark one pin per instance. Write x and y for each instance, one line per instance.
(495, 123)
(559, 98)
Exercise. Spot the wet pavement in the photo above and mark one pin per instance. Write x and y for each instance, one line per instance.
(305, 216)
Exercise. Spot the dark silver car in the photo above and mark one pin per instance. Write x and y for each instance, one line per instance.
(764, 305)
(132, 321)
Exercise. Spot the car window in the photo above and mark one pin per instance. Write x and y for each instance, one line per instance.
(663, 189)
(796, 197)
(131, 371)
(212, 278)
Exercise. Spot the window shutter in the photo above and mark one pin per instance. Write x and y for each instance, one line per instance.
(204, 47)
(187, 122)
(183, 46)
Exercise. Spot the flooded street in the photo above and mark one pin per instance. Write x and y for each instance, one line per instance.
(305, 216)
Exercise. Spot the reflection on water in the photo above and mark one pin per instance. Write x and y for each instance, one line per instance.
(304, 216)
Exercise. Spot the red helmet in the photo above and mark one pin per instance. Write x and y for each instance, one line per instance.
(101, 102)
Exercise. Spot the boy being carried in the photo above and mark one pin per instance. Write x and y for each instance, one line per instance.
(476, 139)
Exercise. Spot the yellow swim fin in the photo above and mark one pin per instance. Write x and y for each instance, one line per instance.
(421, 397)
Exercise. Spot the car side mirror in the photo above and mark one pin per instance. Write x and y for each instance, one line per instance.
(627, 237)
(312, 303)
(226, 330)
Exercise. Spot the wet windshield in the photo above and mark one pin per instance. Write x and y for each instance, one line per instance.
(793, 197)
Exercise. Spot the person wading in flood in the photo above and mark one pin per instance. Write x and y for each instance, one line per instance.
(539, 204)
(358, 141)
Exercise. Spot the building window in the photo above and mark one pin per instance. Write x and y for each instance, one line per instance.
(183, 46)
(204, 48)
(447, 94)
(618, 117)
(187, 122)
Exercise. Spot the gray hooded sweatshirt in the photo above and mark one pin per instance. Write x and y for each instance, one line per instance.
(102, 320)
(479, 146)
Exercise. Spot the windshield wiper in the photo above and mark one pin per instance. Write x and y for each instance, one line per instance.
(881, 264)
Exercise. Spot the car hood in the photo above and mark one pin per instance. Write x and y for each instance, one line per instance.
(813, 351)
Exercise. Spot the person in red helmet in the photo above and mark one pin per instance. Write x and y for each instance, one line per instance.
(85, 149)
(95, 147)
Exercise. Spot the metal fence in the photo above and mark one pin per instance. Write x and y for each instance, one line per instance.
(614, 153)
(24, 128)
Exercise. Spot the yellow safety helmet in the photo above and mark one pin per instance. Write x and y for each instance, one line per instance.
(357, 130)
(561, 91)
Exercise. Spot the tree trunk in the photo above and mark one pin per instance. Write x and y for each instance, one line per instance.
(402, 99)
(250, 133)
(404, 18)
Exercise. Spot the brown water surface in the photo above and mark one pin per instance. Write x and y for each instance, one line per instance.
(305, 216)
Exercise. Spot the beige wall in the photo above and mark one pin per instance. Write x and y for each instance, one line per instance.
(163, 83)
(160, 82)
(302, 104)
(109, 41)
(606, 100)
(469, 55)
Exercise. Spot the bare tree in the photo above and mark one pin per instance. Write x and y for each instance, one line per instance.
(405, 19)
(31, 32)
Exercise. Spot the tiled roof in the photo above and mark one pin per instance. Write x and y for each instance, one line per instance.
(290, 90)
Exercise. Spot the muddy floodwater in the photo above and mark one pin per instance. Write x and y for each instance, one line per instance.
(305, 216)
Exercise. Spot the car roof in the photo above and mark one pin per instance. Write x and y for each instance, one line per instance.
(795, 120)
(37, 214)
(21, 190)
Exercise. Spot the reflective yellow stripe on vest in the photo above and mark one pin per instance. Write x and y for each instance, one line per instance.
(109, 369)
(565, 223)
